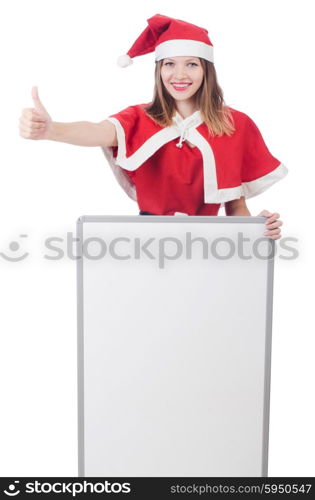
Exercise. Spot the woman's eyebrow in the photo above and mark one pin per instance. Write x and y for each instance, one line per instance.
(186, 60)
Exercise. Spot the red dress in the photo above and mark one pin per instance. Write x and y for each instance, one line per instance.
(158, 169)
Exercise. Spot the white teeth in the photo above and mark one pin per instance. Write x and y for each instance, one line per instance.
(181, 84)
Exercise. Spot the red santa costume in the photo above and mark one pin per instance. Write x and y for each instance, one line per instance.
(155, 165)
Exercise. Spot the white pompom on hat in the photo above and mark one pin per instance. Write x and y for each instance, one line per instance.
(124, 61)
(169, 37)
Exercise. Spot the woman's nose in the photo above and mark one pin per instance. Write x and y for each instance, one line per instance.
(180, 73)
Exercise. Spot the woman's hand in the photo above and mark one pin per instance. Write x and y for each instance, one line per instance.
(35, 123)
(272, 224)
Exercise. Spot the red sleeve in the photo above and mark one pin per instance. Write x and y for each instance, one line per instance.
(259, 168)
(125, 122)
(257, 159)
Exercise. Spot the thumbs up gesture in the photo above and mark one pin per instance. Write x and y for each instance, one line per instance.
(35, 123)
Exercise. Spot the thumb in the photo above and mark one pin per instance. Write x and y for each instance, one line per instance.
(37, 102)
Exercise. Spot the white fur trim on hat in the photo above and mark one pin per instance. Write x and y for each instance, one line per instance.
(189, 48)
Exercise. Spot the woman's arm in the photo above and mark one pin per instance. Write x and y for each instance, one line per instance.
(36, 123)
(236, 207)
(84, 133)
(272, 224)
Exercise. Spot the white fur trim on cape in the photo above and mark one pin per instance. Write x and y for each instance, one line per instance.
(252, 188)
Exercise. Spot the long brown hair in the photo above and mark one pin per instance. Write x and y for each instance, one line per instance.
(209, 98)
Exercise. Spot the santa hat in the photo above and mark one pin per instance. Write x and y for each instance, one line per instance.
(170, 37)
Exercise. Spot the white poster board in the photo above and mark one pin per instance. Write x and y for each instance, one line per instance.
(174, 346)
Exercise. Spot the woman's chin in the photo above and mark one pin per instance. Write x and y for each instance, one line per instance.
(177, 96)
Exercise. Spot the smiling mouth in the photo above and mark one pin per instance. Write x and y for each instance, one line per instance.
(180, 86)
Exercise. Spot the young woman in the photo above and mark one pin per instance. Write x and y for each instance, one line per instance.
(185, 152)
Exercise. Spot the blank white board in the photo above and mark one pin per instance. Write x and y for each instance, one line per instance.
(174, 346)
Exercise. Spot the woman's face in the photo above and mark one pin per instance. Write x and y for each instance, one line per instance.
(182, 76)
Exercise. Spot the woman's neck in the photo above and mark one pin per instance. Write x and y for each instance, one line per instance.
(186, 108)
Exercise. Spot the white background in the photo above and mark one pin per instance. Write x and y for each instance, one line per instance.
(263, 57)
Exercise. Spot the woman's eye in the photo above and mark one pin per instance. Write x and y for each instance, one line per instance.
(169, 63)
